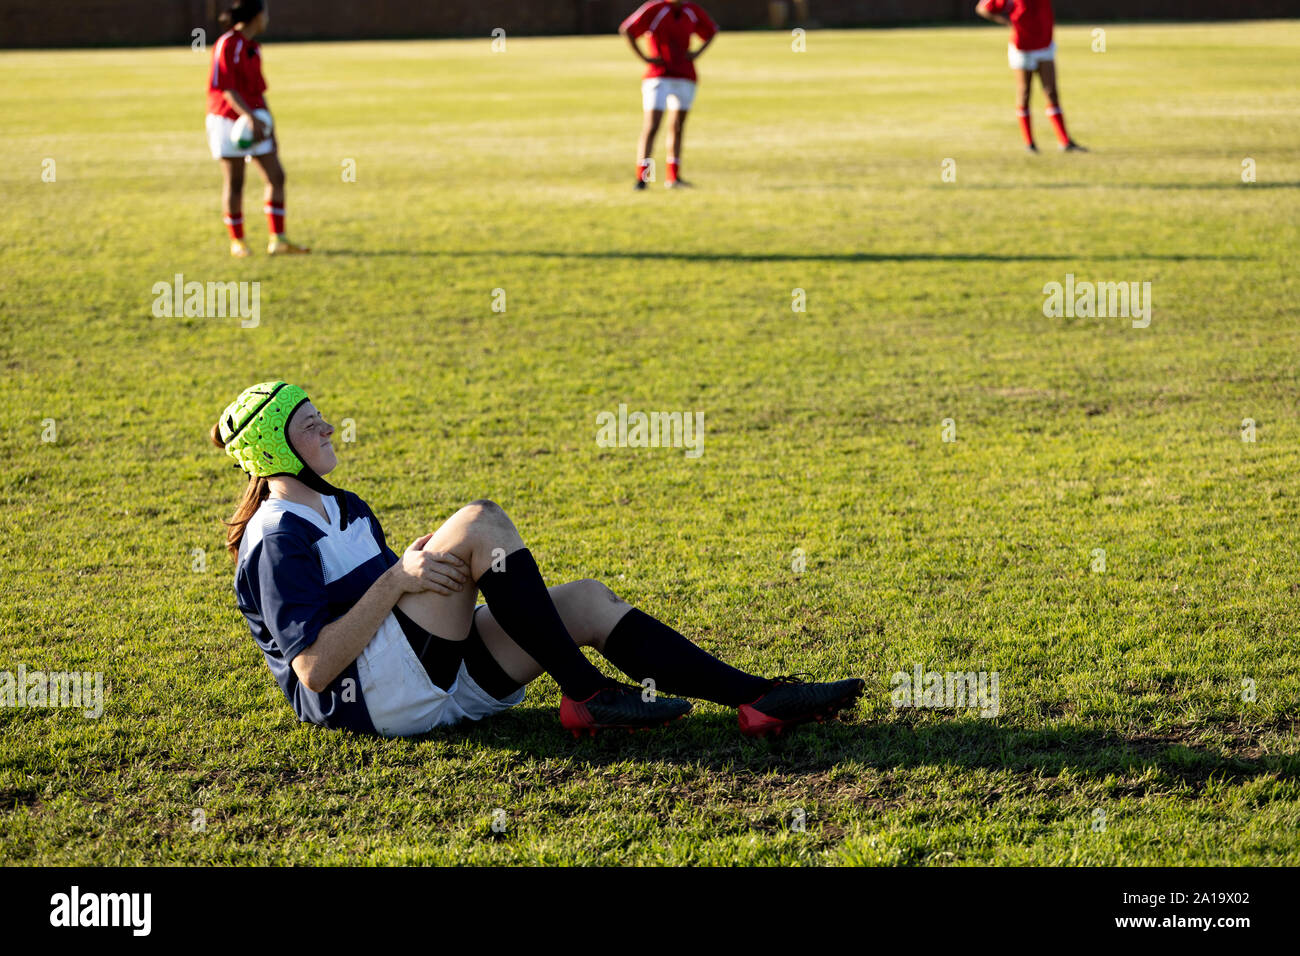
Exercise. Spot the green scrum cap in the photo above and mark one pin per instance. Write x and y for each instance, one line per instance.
(254, 431)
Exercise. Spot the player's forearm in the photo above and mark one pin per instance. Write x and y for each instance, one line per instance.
(636, 48)
(983, 11)
(237, 101)
(700, 52)
(340, 642)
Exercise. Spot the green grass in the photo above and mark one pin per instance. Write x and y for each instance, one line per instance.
(1120, 691)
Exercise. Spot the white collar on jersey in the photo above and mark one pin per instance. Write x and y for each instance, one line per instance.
(310, 513)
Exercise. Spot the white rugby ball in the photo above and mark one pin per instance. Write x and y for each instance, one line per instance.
(241, 134)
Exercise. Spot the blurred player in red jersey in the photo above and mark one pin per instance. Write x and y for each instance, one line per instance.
(1031, 49)
(670, 78)
(235, 88)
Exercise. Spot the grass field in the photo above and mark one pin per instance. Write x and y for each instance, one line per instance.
(1121, 690)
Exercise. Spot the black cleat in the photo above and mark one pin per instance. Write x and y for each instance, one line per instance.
(640, 184)
(1073, 147)
(620, 707)
(793, 701)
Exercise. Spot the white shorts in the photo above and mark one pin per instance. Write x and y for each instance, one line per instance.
(219, 128)
(401, 699)
(664, 92)
(1029, 59)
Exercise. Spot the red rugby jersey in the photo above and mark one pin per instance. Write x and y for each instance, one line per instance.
(1031, 21)
(670, 27)
(236, 65)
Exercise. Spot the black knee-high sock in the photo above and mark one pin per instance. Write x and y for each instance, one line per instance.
(642, 647)
(518, 599)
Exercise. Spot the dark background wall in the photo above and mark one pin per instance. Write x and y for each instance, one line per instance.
(42, 23)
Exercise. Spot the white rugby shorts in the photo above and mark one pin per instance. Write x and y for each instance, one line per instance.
(1029, 59)
(219, 128)
(667, 92)
(401, 698)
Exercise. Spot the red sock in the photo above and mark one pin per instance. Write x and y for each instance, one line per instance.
(1025, 127)
(235, 225)
(642, 168)
(672, 170)
(1058, 121)
(274, 219)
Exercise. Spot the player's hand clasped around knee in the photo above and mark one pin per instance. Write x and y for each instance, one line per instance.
(420, 570)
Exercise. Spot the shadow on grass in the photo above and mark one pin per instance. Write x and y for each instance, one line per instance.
(713, 742)
(1190, 186)
(684, 256)
(1021, 187)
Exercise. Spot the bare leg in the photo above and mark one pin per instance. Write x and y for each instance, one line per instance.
(232, 187)
(1047, 76)
(273, 174)
(1024, 82)
(476, 534)
(676, 126)
(1024, 79)
(589, 611)
(480, 534)
(646, 144)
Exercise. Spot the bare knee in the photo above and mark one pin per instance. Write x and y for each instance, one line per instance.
(481, 519)
(596, 594)
(484, 509)
(589, 609)
(486, 521)
(600, 610)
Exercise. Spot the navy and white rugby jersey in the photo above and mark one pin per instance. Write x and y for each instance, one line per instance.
(297, 573)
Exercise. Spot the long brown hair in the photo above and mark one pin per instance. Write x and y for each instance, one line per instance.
(258, 490)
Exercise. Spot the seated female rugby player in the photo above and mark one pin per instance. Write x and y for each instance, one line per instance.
(360, 637)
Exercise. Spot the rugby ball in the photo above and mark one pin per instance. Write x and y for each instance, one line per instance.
(241, 134)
